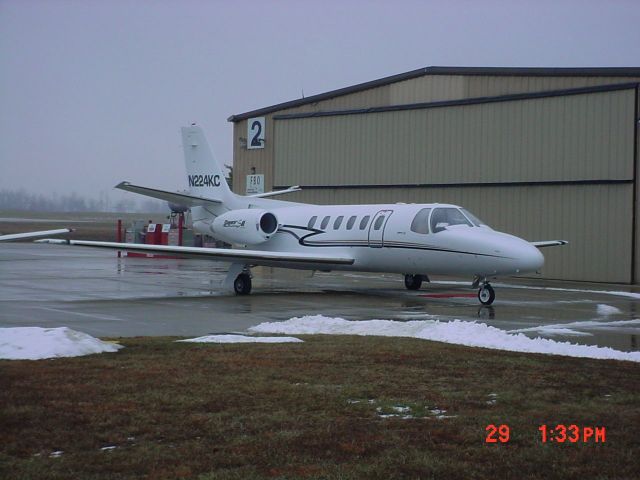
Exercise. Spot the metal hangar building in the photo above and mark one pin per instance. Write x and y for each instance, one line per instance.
(543, 153)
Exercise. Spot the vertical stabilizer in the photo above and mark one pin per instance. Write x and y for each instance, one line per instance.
(205, 176)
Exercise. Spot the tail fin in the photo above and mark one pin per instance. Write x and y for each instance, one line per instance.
(205, 176)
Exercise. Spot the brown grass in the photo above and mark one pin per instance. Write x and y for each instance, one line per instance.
(312, 410)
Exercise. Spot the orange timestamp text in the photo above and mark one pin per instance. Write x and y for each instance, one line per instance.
(558, 433)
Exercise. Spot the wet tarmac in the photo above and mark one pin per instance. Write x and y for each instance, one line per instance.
(94, 292)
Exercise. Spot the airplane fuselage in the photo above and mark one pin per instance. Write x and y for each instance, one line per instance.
(393, 238)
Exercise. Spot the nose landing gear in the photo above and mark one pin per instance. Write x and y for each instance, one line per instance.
(486, 294)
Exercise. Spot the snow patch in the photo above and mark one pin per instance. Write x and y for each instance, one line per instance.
(459, 332)
(606, 310)
(228, 338)
(403, 413)
(35, 343)
(632, 326)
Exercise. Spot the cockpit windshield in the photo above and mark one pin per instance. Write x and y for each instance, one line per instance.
(441, 218)
(475, 220)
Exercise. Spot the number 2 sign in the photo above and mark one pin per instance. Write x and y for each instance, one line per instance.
(255, 133)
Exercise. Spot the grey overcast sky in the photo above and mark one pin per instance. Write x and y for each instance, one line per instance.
(94, 92)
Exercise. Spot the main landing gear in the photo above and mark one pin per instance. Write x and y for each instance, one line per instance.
(242, 284)
(414, 282)
(238, 278)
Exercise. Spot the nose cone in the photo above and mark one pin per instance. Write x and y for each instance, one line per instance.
(519, 256)
(527, 257)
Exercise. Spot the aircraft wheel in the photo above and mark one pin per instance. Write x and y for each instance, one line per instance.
(486, 294)
(242, 284)
(412, 282)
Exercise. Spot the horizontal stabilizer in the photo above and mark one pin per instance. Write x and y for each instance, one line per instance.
(549, 243)
(276, 192)
(252, 257)
(173, 197)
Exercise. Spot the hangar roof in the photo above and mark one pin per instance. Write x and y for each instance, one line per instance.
(497, 71)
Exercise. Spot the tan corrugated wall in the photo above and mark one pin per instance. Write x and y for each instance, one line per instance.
(429, 88)
(579, 137)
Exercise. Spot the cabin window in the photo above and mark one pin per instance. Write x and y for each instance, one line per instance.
(379, 222)
(325, 222)
(445, 217)
(312, 222)
(350, 222)
(420, 223)
(364, 222)
(338, 222)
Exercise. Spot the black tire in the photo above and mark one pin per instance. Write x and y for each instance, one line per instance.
(486, 294)
(242, 284)
(412, 282)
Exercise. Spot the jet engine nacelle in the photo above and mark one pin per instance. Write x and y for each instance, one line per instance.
(248, 226)
(177, 208)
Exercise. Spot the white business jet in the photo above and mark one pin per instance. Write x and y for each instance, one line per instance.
(411, 239)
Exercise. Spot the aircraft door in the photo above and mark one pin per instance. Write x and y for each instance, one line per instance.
(376, 228)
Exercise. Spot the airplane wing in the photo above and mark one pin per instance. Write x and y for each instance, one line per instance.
(276, 192)
(252, 257)
(173, 197)
(41, 233)
(549, 243)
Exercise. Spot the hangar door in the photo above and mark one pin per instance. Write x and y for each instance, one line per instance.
(540, 166)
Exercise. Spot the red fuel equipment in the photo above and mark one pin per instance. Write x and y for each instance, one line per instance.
(154, 234)
(164, 233)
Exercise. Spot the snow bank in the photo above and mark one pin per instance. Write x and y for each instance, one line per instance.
(458, 332)
(35, 343)
(228, 338)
